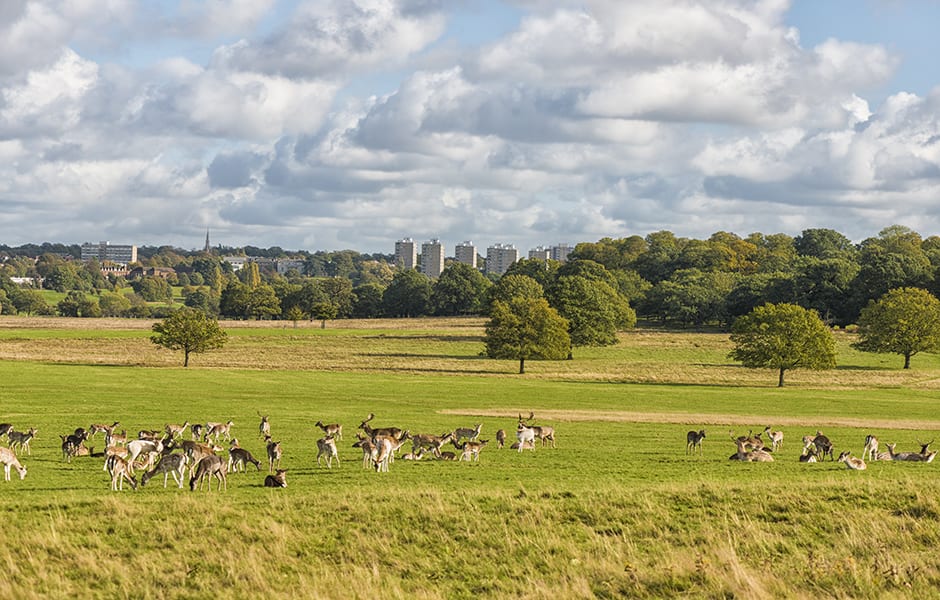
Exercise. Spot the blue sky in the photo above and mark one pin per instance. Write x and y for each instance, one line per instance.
(329, 124)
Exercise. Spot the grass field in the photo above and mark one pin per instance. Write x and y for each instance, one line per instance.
(616, 510)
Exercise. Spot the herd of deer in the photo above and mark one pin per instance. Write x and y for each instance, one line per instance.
(752, 448)
(166, 452)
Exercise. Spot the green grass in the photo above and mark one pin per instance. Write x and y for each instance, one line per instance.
(617, 510)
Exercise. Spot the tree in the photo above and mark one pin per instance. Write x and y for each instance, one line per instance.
(594, 310)
(323, 312)
(904, 321)
(460, 290)
(294, 313)
(368, 301)
(113, 304)
(189, 330)
(30, 302)
(526, 328)
(408, 295)
(782, 336)
(76, 304)
(514, 286)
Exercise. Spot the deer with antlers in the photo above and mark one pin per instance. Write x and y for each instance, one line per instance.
(542, 432)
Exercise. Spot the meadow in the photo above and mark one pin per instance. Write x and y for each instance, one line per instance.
(618, 509)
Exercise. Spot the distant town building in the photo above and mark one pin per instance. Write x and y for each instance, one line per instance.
(406, 254)
(540, 252)
(499, 257)
(103, 251)
(466, 253)
(238, 262)
(285, 265)
(561, 252)
(432, 258)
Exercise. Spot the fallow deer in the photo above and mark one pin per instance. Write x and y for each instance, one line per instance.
(278, 480)
(207, 468)
(121, 470)
(274, 455)
(693, 441)
(326, 446)
(264, 427)
(171, 464)
(20, 440)
(776, 438)
(240, 457)
(851, 462)
(9, 460)
(333, 429)
(871, 447)
(500, 438)
(468, 432)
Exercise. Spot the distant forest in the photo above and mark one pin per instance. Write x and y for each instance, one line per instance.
(674, 280)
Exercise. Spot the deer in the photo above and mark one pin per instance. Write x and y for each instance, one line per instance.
(822, 443)
(207, 468)
(525, 435)
(264, 427)
(871, 448)
(239, 456)
(809, 454)
(470, 449)
(751, 441)
(851, 462)
(414, 455)
(693, 440)
(434, 443)
(175, 431)
(120, 470)
(136, 448)
(116, 439)
(107, 430)
(196, 432)
(381, 454)
(196, 451)
(542, 432)
(743, 454)
(9, 460)
(278, 480)
(333, 429)
(469, 433)
(274, 455)
(19, 440)
(327, 446)
(500, 438)
(5, 429)
(395, 432)
(776, 438)
(928, 456)
(910, 456)
(170, 464)
(367, 447)
(217, 429)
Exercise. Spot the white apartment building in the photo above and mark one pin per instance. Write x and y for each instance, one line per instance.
(561, 252)
(406, 254)
(466, 253)
(432, 258)
(499, 257)
(103, 251)
(540, 252)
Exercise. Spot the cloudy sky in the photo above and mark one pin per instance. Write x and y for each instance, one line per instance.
(332, 124)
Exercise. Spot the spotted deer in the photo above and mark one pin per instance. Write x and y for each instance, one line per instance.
(9, 460)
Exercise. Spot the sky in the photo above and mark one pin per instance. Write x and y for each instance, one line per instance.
(350, 124)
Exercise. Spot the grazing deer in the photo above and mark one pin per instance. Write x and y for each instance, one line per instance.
(871, 448)
(113, 451)
(776, 438)
(333, 429)
(471, 449)
(469, 433)
(9, 460)
(264, 428)
(121, 470)
(434, 443)
(274, 455)
(239, 456)
(217, 429)
(327, 447)
(381, 455)
(207, 468)
(170, 464)
(394, 432)
(693, 440)
(852, 463)
(278, 480)
(500, 438)
(176, 431)
(19, 440)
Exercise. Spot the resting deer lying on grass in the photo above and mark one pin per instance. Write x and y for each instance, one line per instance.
(171, 464)
(278, 480)
(209, 467)
(745, 455)
(9, 460)
(852, 463)
(911, 456)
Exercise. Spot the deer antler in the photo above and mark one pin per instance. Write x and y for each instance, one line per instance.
(531, 416)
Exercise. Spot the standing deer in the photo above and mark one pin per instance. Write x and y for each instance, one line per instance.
(500, 438)
(264, 428)
(525, 435)
(871, 448)
(467, 432)
(274, 455)
(121, 470)
(8, 460)
(776, 438)
(171, 464)
(21, 440)
(333, 429)
(542, 432)
(395, 432)
(240, 457)
(209, 467)
(693, 440)
(327, 447)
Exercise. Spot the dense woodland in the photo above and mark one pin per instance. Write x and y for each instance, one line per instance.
(660, 277)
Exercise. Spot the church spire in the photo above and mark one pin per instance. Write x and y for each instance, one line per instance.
(207, 240)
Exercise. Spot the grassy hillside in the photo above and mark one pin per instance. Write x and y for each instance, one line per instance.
(616, 510)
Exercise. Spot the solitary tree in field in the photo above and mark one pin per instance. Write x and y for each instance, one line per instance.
(783, 336)
(526, 328)
(904, 321)
(189, 330)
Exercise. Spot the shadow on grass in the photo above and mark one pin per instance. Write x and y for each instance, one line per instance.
(433, 338)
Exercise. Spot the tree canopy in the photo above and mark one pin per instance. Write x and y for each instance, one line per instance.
(904, 321)
(189, 330)
(782, 337)
(526, 328)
